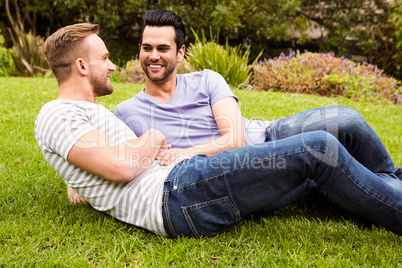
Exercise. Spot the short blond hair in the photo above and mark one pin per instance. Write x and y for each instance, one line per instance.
(63, 47)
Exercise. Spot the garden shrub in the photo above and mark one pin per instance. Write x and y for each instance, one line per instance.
(7, 66)
(131, 72)
(231, 62)
(325, 75)
(28, 58)
(396, 38)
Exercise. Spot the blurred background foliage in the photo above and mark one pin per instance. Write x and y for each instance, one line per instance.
(232, 62)
(6, 59)
(361, 30)
(325, 75)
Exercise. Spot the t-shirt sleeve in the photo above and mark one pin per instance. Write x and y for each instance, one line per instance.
(118, 113)
(134, 113)
(217, 87)
(68, 130)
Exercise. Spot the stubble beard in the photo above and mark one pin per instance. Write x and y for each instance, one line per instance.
(100, 88)
(165, 76)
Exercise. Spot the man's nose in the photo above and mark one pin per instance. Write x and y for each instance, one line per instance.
(154, 55)
(111, 66)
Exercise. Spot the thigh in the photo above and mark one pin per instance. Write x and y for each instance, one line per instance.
(207, 195)
(331, 119)
(345, 124)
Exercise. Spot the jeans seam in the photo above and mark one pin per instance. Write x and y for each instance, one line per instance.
(224, 199)
(350, 179)
(175, 176)
(238, 213)
(167, 214)
(190, 222)
(367, 193)
(358, 186)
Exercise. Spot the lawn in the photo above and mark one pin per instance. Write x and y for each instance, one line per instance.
(39, 228)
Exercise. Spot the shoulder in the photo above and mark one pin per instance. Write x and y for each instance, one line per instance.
(59, 122)
(206, 73)
(47, 107)
(213, 79)
(136, 100)
(66, 110)
(205, 79)
(54, 109)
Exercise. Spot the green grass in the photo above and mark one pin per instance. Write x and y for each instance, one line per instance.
(38, 227)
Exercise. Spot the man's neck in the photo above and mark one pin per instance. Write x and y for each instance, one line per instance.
(76, 90)
(162, 92)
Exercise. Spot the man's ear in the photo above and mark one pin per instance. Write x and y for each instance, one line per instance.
(81, 66)
(180, 54)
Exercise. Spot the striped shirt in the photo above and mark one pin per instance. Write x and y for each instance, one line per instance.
(61, 123)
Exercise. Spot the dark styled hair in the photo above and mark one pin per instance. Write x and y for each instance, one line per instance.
(64, 46)
(161, 17)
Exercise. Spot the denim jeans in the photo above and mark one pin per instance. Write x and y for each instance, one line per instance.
(352, 131)
(203, 196)
(347, 125)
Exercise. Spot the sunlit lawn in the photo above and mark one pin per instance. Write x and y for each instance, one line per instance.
(38, 227)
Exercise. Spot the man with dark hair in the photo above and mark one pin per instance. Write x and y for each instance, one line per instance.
(116, 172)
(160, 17)
(198, 113)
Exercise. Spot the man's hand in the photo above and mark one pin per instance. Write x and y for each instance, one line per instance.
(166, 157)
(74, 197)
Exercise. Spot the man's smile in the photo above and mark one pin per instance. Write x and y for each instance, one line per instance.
(155, 66)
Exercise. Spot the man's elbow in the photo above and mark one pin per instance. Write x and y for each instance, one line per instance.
(156, 135)
(243, 142)
(123, 173)
(240, 141)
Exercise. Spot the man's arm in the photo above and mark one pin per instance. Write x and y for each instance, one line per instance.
(231, 126)
(96, 153)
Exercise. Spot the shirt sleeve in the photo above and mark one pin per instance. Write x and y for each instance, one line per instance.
(118, 114)
(216, 87)
(69, 129)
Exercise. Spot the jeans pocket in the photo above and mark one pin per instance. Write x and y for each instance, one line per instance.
(212, 217)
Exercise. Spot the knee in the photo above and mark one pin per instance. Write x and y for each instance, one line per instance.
(350, 120)
(324, 147)
(347, 112)
(320, 140)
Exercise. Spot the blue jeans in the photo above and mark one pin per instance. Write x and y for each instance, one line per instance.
(203, 196)
(352, 131)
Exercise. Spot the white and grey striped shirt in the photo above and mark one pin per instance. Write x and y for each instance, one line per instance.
(61, 123)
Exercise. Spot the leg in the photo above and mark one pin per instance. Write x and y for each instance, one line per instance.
(348, 126)
(206, 195)
(352, 131)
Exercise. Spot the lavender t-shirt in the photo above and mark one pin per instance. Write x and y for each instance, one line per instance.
(186, 119)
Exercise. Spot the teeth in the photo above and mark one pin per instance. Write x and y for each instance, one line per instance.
(155, 66)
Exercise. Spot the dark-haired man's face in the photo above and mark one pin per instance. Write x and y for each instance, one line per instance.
(158, 53)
